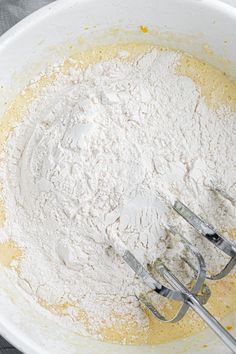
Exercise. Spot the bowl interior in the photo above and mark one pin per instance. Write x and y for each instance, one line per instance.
(206, 29)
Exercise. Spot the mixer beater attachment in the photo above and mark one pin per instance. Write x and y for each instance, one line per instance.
(199, 293)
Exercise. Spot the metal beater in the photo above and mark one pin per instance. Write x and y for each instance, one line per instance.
(199, 293)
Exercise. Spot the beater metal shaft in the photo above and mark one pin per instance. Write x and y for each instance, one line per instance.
(193, 302)
(199, 293)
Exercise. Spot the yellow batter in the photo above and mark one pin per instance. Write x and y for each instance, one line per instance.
(217, 90)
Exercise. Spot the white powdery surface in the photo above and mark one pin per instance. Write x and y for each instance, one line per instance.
(87, 163)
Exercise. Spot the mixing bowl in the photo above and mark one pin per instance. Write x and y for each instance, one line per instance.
(205, 28)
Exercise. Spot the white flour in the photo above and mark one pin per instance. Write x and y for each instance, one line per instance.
(88, 161)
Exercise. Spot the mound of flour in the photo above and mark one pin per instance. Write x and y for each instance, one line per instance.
(88, 161)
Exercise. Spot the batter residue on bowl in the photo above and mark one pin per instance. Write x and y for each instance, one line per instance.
(92, 146)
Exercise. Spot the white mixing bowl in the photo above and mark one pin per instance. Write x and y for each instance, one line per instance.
(201, 27)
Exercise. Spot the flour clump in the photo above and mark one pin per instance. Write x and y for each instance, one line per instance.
(87, 162)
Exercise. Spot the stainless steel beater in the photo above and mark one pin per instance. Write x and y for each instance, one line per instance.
(199, 293)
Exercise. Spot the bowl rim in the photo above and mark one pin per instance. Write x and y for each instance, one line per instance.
(58, 5)
(7, 329)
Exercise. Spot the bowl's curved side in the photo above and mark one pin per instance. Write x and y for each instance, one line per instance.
(43, 38)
